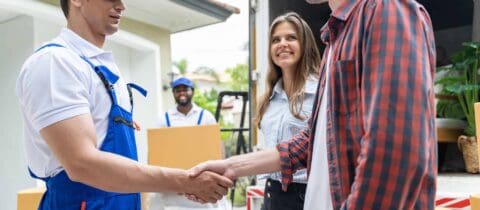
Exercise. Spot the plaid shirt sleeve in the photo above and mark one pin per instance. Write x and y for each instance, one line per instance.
(293, 155)
(398, 63)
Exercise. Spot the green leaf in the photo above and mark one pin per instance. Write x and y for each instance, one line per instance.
(239, 77)
(470, 130)
(474, 45)
(470, 87)
(454, 88)
(450, 109)
(450, 80)
(461, 79)
(207, 100)
(181, 65)
(444, 68)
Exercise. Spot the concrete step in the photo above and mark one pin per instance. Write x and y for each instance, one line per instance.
(458, 184)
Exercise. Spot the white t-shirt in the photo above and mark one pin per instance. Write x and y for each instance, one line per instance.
(56, 84)
(318, 194)
(178, 119)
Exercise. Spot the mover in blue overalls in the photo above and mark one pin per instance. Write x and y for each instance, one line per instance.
(78, 122)
(62, 192)
(185, 113)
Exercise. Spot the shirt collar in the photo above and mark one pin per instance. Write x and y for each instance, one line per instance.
(82, 46)
(194, 109)
(277, 89)
(345, 9)
(310, 87)
(329, 31)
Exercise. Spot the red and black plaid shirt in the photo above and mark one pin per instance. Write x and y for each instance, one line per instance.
(381, 133)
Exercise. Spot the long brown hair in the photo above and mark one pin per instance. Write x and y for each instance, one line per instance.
(309, 64)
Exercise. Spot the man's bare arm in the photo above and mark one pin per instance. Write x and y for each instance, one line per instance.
(266, 161)
(73, 141)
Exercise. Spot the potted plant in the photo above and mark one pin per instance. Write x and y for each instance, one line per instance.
(460, 80)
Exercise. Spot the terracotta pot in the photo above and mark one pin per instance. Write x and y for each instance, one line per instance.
(468, 146)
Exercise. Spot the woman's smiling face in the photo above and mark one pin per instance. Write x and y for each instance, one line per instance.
(285, 47)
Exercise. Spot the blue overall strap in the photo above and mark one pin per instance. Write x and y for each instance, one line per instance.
(49, 45)
(101, 69)
(33, 175)
(200, 117)
(107, 74)
(167, 119)
(139, 89)
(107, 77)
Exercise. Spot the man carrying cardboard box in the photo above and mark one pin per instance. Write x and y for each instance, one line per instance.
(185, 113)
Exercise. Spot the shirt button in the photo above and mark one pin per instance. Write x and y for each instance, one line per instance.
(268, 195)
(268, 183)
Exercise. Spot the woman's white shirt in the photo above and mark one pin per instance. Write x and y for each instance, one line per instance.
(279, 124)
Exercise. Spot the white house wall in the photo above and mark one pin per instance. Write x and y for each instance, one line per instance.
(146, 109)
(161, 38)
(44, 31)
(16, 44)
(262, 25)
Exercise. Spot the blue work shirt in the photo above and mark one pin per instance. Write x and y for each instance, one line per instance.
(279, 124)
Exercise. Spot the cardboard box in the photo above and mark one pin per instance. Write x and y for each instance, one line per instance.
(29, 199)
(477, 126)
(183, 147)
(475, 202)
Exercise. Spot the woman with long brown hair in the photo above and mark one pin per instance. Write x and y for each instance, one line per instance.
(291, 85)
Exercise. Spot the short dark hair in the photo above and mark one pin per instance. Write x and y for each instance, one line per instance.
(64, 4)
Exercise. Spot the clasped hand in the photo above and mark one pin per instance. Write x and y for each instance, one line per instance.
(214, 170)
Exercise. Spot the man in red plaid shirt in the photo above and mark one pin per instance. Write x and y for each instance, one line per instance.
(371, 140)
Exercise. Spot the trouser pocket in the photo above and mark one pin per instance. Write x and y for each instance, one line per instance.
(276, 199)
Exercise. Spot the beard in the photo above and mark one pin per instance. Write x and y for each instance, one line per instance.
(183, 102)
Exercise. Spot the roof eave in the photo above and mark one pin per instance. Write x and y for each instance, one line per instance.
(211, 8)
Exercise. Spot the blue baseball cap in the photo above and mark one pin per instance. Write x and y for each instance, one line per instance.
(182, 81)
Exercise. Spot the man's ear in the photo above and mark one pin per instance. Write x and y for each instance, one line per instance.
(76, 3)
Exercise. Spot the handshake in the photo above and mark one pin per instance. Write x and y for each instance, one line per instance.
(209, 181)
